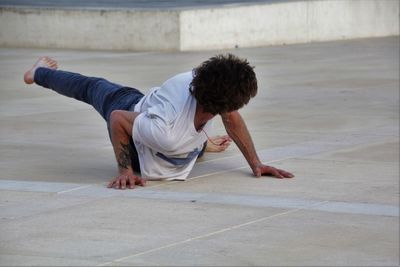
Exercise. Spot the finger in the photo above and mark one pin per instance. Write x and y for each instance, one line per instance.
(227, 144)
(257, 173)
(286, 174)
(117, 184)
(223, 143)
(219, 140)
(228, 138)
(111, 183)
(123, 182)
(276, 173)
(140, 181)
(132, 182)
(222, 139)
(223, 147)
(225, 136)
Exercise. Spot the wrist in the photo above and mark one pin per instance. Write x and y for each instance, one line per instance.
(255, 164)
(125, 171)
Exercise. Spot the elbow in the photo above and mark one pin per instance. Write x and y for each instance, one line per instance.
(120, 122)
(117, 121)
(115, 118)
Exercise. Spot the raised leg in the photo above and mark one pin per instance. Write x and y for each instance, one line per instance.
(103, 95)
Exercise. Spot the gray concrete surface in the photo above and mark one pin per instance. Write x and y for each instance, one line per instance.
(328, 112)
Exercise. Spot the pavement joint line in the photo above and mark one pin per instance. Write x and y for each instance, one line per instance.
(74, 189)
(254, 201)
(223, 230)
(167, 183)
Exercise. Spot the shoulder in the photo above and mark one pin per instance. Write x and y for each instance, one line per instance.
(167, 101)
(176, 91)
(181, 80)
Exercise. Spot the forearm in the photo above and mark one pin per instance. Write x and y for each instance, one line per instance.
(237, 130)
(122, 151)
(121, 123)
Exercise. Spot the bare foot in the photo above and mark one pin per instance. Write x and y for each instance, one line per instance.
(218, 143)
(43, 62)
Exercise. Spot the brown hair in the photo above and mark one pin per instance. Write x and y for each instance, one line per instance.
(223, 84)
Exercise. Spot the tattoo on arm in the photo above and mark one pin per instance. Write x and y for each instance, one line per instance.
(124, 159)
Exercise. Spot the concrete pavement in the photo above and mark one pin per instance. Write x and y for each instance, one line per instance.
(328, 112)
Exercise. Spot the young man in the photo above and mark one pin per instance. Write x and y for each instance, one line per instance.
(161, 134)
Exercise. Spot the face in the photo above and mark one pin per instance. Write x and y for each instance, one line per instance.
(208, 116)
(202, 116)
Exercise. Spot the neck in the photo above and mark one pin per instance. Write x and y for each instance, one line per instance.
(201, 118)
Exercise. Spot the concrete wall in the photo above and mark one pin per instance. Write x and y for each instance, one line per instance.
(89, 29)
(198, 29)
(288, 22)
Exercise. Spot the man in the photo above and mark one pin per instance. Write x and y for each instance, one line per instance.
(162, 134)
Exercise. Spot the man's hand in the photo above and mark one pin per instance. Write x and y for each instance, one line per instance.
(262, 169)
(124, 181)
(236, 128)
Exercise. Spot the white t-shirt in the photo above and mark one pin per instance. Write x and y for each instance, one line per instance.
(164, 133)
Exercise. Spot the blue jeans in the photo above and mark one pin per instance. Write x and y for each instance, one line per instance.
(103, 95)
